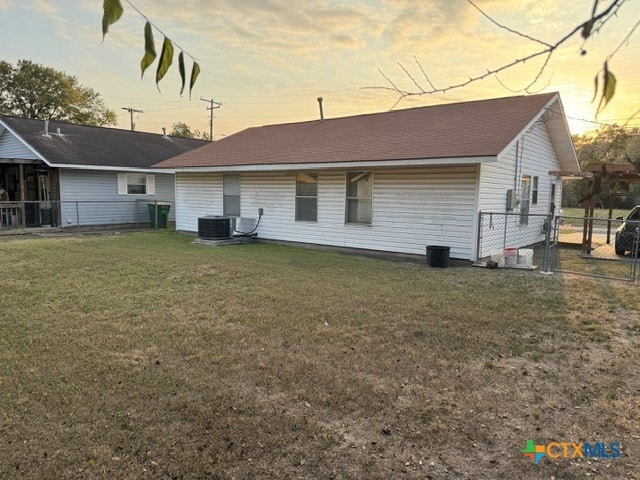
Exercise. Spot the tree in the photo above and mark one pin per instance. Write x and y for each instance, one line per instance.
(181, 129)
(608, 144)
(32, 90)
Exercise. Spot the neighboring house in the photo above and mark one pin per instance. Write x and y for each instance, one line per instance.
(61, 174)
(394, 181)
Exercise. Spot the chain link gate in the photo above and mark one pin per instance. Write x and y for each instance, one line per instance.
(595, 247)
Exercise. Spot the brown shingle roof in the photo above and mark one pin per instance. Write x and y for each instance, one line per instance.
(469, 129)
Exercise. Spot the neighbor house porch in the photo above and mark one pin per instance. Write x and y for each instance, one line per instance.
(32, 192)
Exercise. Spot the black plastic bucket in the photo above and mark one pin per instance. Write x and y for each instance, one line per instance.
(438, 256)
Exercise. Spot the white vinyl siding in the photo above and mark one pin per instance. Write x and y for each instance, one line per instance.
(535, 158)
(11, 147)
(412, 208)
(99, 201)
(197, 195)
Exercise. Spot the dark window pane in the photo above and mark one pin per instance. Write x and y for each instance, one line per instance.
(136, 189)
(307, 209)
(136, 184)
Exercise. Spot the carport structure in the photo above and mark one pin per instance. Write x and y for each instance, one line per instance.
(615, 176)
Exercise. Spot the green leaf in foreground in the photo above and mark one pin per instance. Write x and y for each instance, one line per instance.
(149, 49)
(112, 13)
(182, 71)
(166, 59)
(608, 88)
(195, 71)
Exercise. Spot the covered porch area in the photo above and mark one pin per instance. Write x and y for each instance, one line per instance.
(29, 194)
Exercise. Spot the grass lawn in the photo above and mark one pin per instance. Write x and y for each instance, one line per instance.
(144, 356)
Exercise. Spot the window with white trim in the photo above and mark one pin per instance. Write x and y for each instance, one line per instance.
(359, 198)
(231, 195)
(525, 199)
(307, 196)
(534, 191)
(133, 183)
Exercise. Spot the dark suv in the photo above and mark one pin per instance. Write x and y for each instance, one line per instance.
(625, 234)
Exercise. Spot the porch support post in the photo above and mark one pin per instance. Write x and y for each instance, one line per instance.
(23, 220)
(21, 178)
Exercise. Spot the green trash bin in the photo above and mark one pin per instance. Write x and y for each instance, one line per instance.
(162, 214)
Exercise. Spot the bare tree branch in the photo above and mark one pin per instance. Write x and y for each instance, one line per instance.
(504, 86)
(424, 73)
(504, 27)
(411, 77)
(540, 72)
(586, 29)
(624, 41)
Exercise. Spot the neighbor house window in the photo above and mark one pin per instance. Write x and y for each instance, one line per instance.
(534, 191)
(136, 184)
(525, 199)
(359, 197)
(231, 195)
(307, 196)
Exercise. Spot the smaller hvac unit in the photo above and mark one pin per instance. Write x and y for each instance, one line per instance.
(216, 227)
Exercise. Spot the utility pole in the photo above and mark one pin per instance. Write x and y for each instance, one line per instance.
(131, 112)
(211, 108)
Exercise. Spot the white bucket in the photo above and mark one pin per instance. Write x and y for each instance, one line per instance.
(525, 257)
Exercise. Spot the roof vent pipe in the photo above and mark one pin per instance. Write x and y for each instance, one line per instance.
(46, 127)
(58, 131)
(164, 132)
(321, 112)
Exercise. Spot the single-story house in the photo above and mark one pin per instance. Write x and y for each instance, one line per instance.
(62, 174)
(394, 181)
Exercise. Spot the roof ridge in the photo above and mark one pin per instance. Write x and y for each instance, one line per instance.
(101, 127)
(401, 110)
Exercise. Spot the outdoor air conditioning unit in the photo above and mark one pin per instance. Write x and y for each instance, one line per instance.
(216, 227)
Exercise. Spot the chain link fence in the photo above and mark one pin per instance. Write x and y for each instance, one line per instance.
(513, 240)
(596, 247)
(80, 214)
(585, 246)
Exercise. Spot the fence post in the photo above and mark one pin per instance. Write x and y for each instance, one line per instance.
(77, 215)
(479, 237)
(634, 254)
(156, 213)
(547, 242)
(504, 237)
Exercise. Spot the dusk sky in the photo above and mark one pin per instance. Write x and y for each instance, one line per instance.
(268, 60)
